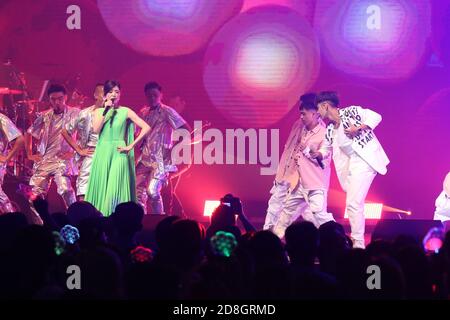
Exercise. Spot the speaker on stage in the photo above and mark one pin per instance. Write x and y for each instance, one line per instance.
(387, 229)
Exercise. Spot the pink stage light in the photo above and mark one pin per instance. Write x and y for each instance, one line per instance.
(210, 206)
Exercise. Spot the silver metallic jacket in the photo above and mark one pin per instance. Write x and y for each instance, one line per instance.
(8, 132)
(83, 126)
(156, 146)
(40, 130)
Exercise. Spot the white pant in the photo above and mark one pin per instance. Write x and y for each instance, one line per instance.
(279, 193)
(356, 185)
(311, 204)
(83, 175)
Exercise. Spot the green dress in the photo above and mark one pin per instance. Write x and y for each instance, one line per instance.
(112, 179)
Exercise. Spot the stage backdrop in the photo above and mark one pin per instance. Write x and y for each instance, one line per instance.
(243, 64)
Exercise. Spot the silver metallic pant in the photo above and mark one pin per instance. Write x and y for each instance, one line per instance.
(45, 172)
(149, 185)
(83, 175)
(5, 203)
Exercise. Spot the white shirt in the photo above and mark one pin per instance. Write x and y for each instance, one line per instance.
(365, 144)
(343, 141)
(442, 207)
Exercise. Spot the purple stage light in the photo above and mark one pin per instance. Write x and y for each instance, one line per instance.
(377, 39)
(259, 63)
(166, 27)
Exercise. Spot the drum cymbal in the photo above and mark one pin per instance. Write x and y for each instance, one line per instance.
(5, 90)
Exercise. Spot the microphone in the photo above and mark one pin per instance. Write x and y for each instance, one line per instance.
(108, 107)
(320, 163)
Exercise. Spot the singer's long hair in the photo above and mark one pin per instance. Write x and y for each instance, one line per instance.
(109, 85)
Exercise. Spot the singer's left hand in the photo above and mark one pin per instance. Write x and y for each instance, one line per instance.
(125, 149)
(351, 131)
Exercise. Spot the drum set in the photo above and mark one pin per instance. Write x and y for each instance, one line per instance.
(18, 104)
(20, 110)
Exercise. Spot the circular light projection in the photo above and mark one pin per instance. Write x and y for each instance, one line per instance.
(166, 27)
(377, 39)
(259, 63)
(255, 59)
(305, 7)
